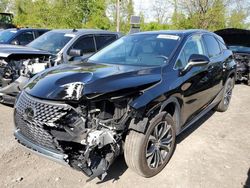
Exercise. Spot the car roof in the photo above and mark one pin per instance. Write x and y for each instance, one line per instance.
(26, 29)
(84, 31)
(175, 32)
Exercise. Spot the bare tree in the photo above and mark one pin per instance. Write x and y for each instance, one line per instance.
(161, 10)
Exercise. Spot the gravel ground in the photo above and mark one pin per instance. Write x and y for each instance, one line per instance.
(215, 152)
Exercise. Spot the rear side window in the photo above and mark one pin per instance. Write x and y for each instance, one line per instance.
(86, 44)
(222, 45)
(104, 40)
(212, 46)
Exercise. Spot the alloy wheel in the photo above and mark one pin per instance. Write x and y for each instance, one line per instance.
(228, 93)
(159, 144)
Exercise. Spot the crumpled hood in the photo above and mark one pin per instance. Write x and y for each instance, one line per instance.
(72, 82)
(8, 50)
(235, 37)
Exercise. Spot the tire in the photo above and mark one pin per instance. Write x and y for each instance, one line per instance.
(138, 144)
(227, 95)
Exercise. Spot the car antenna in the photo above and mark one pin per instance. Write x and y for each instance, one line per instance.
(74, 30)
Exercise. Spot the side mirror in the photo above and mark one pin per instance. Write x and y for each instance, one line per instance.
(80, 59)
(196, 60)
(75, 53)
(15, 42)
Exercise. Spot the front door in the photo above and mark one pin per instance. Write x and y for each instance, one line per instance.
(197, 86)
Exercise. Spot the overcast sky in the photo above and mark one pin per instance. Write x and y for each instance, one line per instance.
(144, 6)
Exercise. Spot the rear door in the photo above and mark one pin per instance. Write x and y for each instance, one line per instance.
(215, 54)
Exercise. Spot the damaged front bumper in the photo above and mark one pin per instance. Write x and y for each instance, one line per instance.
(59, 132)
(39, 150)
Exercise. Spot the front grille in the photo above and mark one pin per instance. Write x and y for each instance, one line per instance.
(34, 133)
(45, 113)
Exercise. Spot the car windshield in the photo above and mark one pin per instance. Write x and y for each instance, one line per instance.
(239, 49)
(52, 41)
(139, 49)
(6, 35)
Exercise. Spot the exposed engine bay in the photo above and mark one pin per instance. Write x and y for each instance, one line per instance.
(243, 66)
(90, 134)
(15, 73)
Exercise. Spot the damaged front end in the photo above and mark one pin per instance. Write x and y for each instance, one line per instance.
(243, 66)
(86, 135)
(238, 40)
(81, 113)
(16, 71)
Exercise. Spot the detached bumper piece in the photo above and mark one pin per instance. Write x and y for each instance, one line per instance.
(9, 90)
(39, 128)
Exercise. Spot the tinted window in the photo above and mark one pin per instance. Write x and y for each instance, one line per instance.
(86, 44)
(212, 46)
(104, 40)
(25, 38)
(194, 45)
(41, 32)
(140, 50)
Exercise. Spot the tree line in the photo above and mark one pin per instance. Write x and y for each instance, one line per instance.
(165, 14)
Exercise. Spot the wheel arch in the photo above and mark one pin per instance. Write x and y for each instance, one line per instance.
(172, 106)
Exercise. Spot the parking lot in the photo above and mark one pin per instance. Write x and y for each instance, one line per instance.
(215, 152)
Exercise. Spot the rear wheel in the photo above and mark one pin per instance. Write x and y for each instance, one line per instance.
(147, 154)
(227, 95)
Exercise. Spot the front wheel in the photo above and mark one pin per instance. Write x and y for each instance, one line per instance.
(147, 154)
(227, 95)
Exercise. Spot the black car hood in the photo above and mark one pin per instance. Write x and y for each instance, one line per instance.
(72, 82)
(8, 50)
(235, 37)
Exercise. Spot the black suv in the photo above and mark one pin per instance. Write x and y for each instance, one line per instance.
(134, 96)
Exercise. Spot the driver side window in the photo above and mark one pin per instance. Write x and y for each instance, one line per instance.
(194, 45)
(85, 44)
